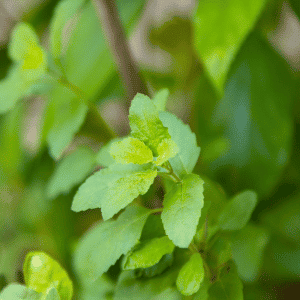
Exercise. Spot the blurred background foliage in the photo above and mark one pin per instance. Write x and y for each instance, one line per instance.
(233, 72)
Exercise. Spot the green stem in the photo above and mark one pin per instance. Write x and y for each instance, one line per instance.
(168, 166)
(193, 248)
(157, 210)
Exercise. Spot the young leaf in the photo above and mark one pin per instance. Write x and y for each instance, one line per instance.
(16, 291)
(114, 188)
(131, 150)
(160, 99)
(103, 156)
(191, 275)
(23, 41)
(148, 253)
(248, 246)
(166, 150)
(52, 294)
(231, 23)
(228, 286)
(186, 159)
(145, 123)
(41, 272)
(182, 210)
(238, 211)
(72, 170)
(103, 245)
(64, 11)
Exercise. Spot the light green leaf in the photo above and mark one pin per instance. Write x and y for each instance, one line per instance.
(148, 253)
(182, 210)
(228, 286)
(52, 294)
(42, 272)
(247, 251)
(103, 245)
(145, 123)
(131, 150)
(91, 74)
(191, 275)
(230, 22)
(186, 159)
(103, 156)
(64, 12)
(23, 41)
(165, 262)
(166, 150)
(71, 171)
(63, 119)
(16, 291)
(11, 89)
(114, 188)
(238, 211)
(160, 99)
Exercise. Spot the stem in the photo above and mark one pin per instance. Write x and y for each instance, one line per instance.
(168, 166)
(115, 36)
(157, 210)
(193, 248)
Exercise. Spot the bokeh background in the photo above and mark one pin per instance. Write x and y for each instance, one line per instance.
(233, 72)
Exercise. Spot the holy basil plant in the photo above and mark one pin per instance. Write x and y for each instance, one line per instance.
(169, 252)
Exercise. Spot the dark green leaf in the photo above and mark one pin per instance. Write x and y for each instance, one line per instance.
(238, 211)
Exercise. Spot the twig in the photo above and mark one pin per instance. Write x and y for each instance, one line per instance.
(115, 36)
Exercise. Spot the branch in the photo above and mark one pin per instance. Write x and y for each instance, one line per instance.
(115, 36)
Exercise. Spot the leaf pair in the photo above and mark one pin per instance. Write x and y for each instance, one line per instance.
(45, 280)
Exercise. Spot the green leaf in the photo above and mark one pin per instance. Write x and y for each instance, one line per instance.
(11, 89)
(202, 293)
(145, 123)
(52, 294)
(228, 286)
(72, 170)
(91, 73)
(23, 41)
(64, 116)
(42, 272)
(103, 156)
(296, 7)
(184, 202)
(186, 159)
(238, 211)
(64, 12)
(103, 245)
(148, 253)
(166, 150)
(191, 275)
(16, 291)
(165, 262)
(153, 228)
(248, 246)
(160, 99)
(114, 188)
(260, 136)
(131, 150)
(230, 24)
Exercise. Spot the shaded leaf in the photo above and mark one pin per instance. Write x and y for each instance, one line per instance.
(160, 99)
(103, 245)
(238, 211)
(71, 171)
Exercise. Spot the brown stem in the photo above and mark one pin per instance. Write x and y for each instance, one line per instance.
(115, 36)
